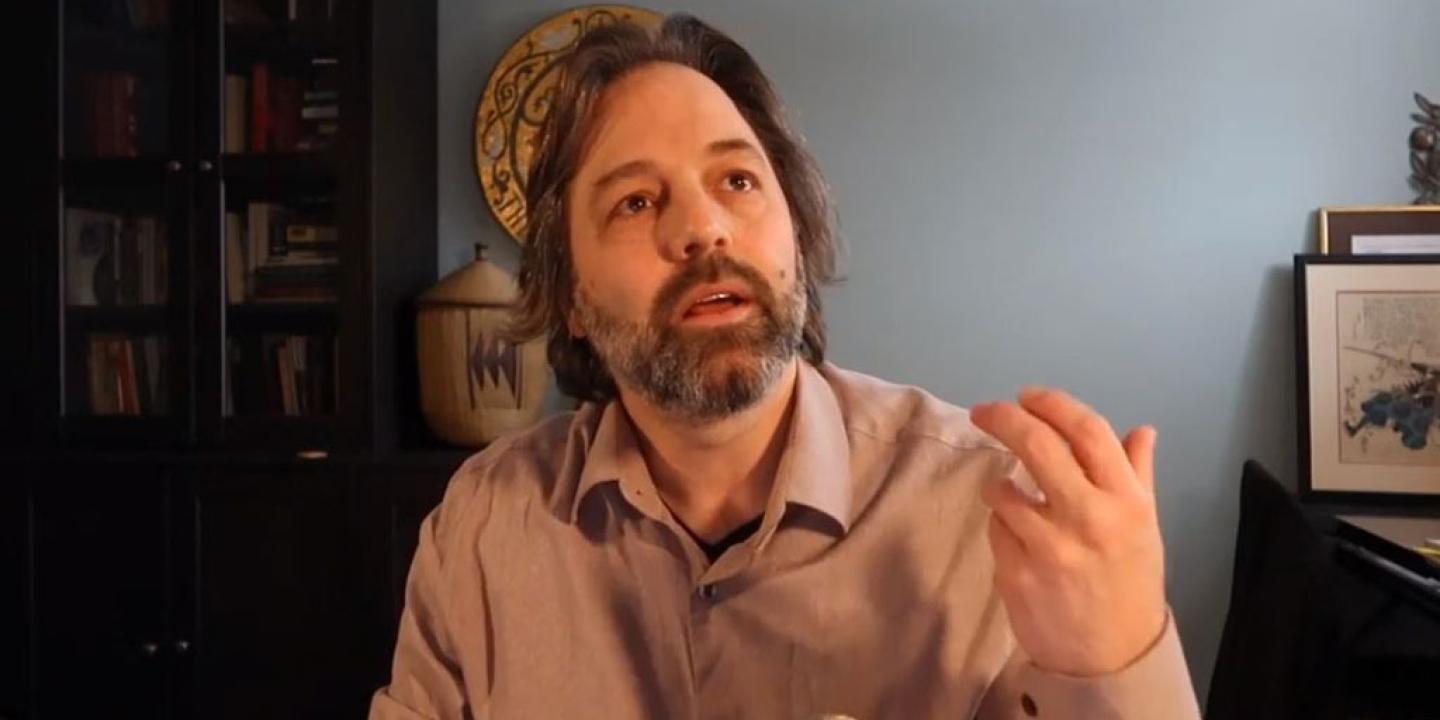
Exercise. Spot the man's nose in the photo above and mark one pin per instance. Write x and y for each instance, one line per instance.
(695, 225)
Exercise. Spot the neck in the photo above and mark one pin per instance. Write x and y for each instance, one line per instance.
(715, 475)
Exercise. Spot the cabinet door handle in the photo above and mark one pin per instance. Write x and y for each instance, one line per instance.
(173, 166)
(182, 647)
(150, 649)
(206, 166)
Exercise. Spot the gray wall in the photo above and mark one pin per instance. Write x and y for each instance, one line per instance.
(1099, 195)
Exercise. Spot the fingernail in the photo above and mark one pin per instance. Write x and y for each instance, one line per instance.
(1030, 391)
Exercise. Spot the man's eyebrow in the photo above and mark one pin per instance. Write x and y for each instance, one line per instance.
(642, 167)
(720, 147)
(627, 170)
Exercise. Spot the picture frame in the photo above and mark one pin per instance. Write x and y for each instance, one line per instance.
(1380, 230)
(1368, 377)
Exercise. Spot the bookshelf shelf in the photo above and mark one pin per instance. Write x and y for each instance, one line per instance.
(116, 171)
(286, 317)
(280, 41)
(136, 49)
(136, 319)
(313, 167)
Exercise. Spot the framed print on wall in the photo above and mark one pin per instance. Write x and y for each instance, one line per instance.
(1368, 356)
(1380, 230)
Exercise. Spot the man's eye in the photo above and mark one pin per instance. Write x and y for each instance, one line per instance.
(740, 181)
(634, 204)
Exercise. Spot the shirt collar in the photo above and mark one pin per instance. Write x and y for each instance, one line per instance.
(814, 468)
(614, 456)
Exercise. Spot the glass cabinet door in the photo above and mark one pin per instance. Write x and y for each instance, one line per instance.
(272, 219)
(125, 86)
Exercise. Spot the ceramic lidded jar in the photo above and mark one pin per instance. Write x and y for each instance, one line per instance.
(474, 385)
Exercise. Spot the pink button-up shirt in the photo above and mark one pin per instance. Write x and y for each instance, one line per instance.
(553, 582)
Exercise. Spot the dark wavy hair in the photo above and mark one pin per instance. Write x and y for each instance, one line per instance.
(547, 272)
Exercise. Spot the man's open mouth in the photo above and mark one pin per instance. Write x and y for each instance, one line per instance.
(715, 303)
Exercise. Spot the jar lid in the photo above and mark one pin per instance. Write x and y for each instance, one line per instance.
(481, 282)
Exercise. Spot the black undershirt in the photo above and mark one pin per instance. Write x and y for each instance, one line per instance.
(735, 537)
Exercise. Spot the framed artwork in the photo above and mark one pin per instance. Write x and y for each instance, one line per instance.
(1368, 352)
(1380, 230)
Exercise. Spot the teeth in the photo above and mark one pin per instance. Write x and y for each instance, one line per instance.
(717, 296)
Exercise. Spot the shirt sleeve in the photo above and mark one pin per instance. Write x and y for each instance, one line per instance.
(425, 676)
(1155, 685)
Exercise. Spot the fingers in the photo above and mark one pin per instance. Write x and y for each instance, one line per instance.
(1043, 451)
(1018, 513)
(1140, 449)
(1091, 439)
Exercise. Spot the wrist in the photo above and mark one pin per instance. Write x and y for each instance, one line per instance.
(1138, 642)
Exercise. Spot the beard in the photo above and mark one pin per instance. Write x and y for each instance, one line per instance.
(704, 373)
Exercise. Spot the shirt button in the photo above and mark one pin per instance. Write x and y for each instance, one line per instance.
(706, 592)
(1027, 704)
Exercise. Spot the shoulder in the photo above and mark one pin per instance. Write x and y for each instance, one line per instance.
(904, 414)
(537, 465)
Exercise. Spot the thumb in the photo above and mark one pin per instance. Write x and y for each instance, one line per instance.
(1140, 448)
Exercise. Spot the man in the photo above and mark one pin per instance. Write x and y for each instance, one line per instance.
(732, 527)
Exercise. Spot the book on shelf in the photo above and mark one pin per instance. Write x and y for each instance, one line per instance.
(308, 236)
(320, 109)
(310, 10)
(114, 259)
(87, 240)
(257, 244)
(104, 392)
(293, 375)
(259, 108)
(286, 112)
(237, 269)
(286, 106)
(302, 381)
(237, 104)
(319, 112)
(285, 363)
(126, 375)
(144, 262)
(275, 268)
(109, 100)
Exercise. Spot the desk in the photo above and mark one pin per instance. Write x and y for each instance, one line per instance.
(1388, 543)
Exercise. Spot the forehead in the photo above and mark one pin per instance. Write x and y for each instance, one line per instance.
(656, 110)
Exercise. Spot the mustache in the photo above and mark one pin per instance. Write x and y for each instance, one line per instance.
(708, 269)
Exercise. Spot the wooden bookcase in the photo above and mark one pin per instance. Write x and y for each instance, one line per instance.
(238, 208)
(182, 553)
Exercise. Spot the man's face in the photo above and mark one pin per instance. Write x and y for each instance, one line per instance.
(684, 251)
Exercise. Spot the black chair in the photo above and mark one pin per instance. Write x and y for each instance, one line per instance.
(1280, 652)
(1309, 637)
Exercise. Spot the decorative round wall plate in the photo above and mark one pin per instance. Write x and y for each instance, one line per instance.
(517, 98)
